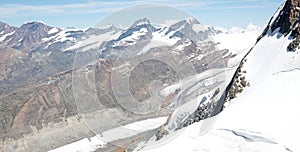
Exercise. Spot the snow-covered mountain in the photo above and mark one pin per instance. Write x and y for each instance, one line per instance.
(6, 30)
(28, 36)
(192, 29)
(260, 100)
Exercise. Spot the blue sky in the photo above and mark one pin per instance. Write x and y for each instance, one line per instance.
(86, 13)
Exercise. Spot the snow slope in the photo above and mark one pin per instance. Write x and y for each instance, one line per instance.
(160, 38)
(270, 104)
(218, 140)
(131, 39)
(264, 117)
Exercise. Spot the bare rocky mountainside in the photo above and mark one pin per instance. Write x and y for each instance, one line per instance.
(51, 79)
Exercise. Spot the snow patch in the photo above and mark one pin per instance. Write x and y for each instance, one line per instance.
(159, 38)
(130, 40)
(3, 37)
(190, 20)
(60, 37)
(133, 129)
(183, 45)
(162, 37)
(144, 22)
(93, 41)
(84, 145)
(170, 22)
(53, 30)
(198, 27)
(152, 44)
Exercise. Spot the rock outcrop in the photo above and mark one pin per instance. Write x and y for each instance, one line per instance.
(287, 22)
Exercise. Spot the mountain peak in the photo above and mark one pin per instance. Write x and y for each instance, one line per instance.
(35, 25)
(3, 24)
(6, 28)
(140, 22)
(34, 22)
(191, 20)
(286, 21)
(288, 17)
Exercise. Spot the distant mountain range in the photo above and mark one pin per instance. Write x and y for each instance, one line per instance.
(39, 65)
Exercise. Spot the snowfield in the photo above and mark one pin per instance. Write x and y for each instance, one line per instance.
(93, 41)
(238, 40)
(100, 141)
(190, 139)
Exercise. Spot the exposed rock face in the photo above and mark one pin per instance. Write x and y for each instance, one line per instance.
(192, 29)
(287, 22)
(29, 35)
(288, 17)
(150, 70)
(36, 105)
